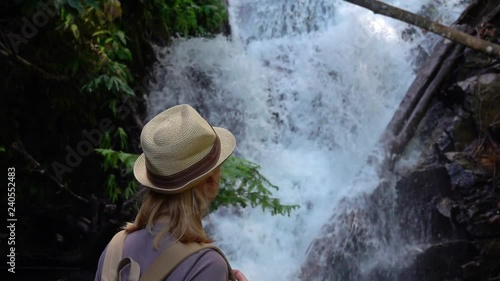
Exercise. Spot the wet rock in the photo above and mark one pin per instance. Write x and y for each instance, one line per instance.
(464, 131)
(494, 131)
(445, 143)
(477, 59)
(489, 247)
(420, 195)
(441, 261)
(486, 228)
(462, 159)
(466, 176)
(490, 268)
(460, 131)
(479, 211)
(444, 206)
(452, 96)
(486, 88)
(471, 271)
(442, 136)
(468, 164)
(422, 185)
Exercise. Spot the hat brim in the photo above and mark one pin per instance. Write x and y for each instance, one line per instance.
(228, 143)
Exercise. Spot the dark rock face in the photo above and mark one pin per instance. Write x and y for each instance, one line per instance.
(439, 220)
(451, 202)
(419, 196)
(436, 263)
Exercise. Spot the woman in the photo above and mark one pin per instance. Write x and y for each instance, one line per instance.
(180, 169)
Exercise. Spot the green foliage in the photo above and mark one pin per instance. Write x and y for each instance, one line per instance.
(100, 48)
(95, 31)
(122, 162)
(114, 159)
(186, 17)
(243, 185)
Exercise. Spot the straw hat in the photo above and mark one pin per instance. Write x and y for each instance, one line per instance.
(180, 150)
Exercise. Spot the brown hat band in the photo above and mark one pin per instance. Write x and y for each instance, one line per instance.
(194, 171)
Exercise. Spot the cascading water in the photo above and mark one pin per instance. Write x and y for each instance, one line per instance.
(307, 87)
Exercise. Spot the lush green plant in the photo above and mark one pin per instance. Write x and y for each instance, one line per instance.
(99, 30)
(241, 184)
(82, 64)
(186, 17)
(121, 164)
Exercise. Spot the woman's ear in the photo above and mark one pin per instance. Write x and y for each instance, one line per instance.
(211, 185)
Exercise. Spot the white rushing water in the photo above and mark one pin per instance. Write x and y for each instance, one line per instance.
(307, 87)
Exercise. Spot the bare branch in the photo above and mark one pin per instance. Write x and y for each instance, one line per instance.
(134, 198)
(19, 147)
(23, 62)
(445, 31)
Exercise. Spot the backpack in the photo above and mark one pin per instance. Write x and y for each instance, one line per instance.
(164, 264)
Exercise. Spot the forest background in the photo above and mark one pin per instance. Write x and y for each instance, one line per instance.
(74, 79)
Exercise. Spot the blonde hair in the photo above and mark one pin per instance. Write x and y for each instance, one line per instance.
(184, 211)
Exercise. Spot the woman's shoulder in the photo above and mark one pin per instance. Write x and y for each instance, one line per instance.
(212, 257)
(208, 264)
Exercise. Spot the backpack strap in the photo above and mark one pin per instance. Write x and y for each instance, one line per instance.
(113, 257)
(170, 258)
(135, 269)
(163, 265)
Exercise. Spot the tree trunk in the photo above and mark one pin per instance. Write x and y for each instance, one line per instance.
(450, 33)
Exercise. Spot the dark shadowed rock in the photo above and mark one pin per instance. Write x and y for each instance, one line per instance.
(423, 197)
(486, 88)
(485, 228)
(472, 271)
(489, 247)
(441, 262)
(461, 179)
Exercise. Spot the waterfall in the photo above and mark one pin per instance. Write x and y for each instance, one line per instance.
(307, 87)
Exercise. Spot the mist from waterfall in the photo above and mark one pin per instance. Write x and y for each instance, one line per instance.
(307, 87)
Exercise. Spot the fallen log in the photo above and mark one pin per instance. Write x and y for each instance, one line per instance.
(427, 83)
(450, 33)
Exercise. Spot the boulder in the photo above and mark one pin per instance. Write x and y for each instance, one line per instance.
(442, 261)
(486, 88)
(422, 199)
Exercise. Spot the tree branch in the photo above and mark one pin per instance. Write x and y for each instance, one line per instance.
(134, 198)
(19, 147)
(22, 62)
(450, 33)
(135, 115)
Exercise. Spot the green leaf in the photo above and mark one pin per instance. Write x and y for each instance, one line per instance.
(74, 66)
(76, 32)
(112, 188)
(243, 185)
(112, 106)
(123, 137)
(75, 4)
(121, 35)
(92, 3)
(108, 82)
(106, 140)
(100, 32)
(124, 54)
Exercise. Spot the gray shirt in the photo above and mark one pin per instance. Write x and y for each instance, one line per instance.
(207, 265)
